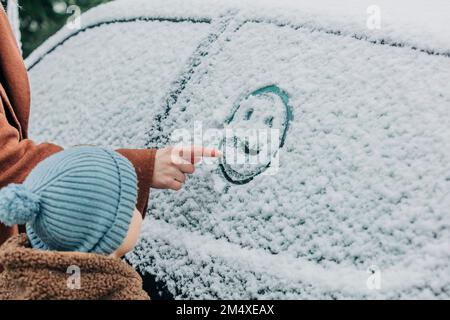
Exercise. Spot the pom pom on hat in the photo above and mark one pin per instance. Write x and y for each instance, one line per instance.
(18, 205)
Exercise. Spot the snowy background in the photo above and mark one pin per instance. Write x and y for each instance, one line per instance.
(364, 179)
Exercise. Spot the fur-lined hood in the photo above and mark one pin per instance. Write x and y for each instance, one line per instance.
(35, 274)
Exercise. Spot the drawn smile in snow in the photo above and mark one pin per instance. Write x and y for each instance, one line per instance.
(254, 133)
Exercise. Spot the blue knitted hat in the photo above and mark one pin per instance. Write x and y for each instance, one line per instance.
(81, 199)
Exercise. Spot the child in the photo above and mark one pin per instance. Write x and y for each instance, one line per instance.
(79, 207)
(19, 154)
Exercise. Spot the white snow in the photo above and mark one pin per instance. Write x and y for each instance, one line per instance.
(12, 10)
(413, 23)
(364, 172)
(126, 80)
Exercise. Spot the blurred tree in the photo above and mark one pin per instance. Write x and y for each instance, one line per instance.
(40, 19)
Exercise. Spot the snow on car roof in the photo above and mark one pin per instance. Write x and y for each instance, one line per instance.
(416, 24)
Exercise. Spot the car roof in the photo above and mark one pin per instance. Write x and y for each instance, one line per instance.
(418, 25)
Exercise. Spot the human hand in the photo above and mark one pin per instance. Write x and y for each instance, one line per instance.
(173, 163)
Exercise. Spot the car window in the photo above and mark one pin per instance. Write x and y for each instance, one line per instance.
(112, 76)
(351, 118)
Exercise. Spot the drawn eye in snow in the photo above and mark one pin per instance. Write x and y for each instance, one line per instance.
(254, 132)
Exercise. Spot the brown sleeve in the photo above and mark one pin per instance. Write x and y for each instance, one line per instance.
(17, 159)
(144, 164)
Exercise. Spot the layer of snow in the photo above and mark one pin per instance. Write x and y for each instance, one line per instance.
(195, 262)
(363, 181)
(101, 86)
(12, 10)
(416, 23)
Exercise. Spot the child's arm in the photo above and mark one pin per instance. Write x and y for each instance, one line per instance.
(144, 164)
(19, 156)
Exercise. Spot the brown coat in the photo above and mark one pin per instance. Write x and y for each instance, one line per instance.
(18, 154)
(43, 275)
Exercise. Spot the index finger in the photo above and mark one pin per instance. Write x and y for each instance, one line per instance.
(198, 151)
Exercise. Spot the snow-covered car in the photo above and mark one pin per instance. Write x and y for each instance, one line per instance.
(360, 204)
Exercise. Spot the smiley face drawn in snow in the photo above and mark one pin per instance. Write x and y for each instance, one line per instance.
(256, 130)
